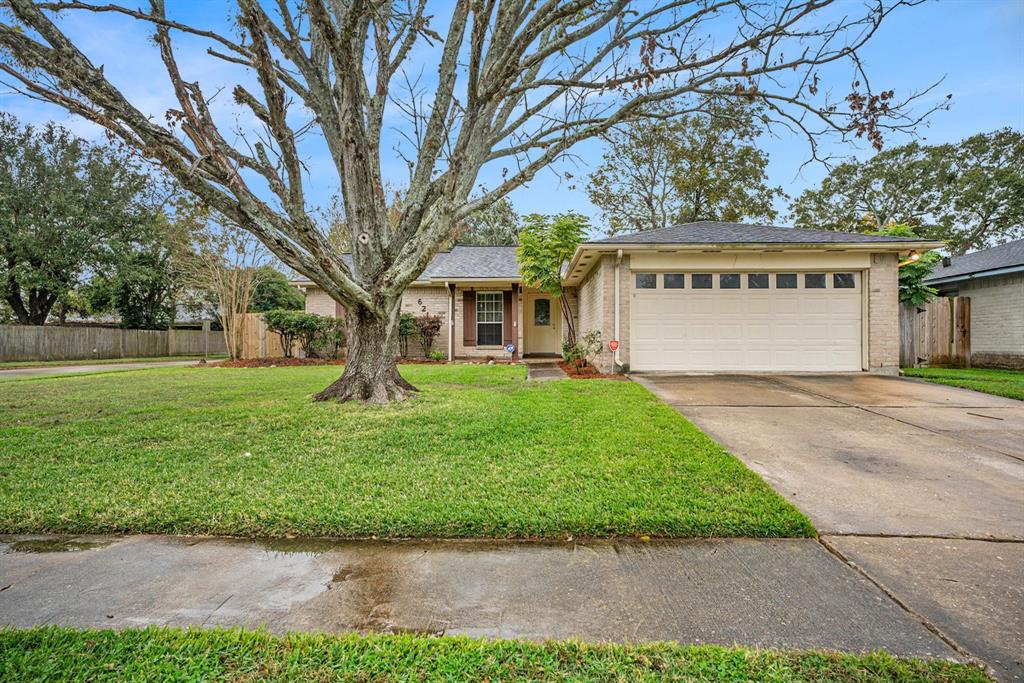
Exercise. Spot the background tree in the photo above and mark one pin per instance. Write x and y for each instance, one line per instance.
(220, 263)
(66, 209)
(656, 173)
(982, 196)
(144, 290)
(517, 87)
(546, 243)
(496, 226)
(912, 288)
(969, 194)
(273, 291)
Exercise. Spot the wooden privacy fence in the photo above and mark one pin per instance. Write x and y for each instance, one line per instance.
(44, 342)
(257, 340)
(936, 333)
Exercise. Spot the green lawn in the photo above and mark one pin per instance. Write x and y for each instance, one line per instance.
(480, 453)
(12, 364)
(155, 654)
(1009, 383)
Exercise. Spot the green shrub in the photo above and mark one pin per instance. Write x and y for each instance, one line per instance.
(298, 326)
(406, 328)
(438, 355)
(582, 353)
(330, 341)
(427, 328)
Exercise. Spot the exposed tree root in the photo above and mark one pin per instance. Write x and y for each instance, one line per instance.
(391, 387)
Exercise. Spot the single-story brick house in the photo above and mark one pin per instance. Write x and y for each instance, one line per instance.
(706, 296)
(994, 281)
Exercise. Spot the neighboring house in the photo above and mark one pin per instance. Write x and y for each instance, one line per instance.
(994, 281)
(704, 296)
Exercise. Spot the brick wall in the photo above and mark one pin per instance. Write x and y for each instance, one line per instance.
(416, 300)
(432, 300)
(597, 309)
(997, 317)
(883, 314)
(319, 302)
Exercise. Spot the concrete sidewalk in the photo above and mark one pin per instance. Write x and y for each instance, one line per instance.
(51, 370)
(773, 593)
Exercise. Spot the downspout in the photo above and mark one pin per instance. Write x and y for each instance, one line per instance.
(618, 262)
(451, 321)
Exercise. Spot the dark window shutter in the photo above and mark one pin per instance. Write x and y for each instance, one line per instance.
(469, 318)
(506, 325)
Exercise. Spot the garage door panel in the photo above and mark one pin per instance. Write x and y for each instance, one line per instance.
(746, 330)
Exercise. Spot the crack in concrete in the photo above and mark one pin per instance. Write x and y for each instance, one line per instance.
(217, 608)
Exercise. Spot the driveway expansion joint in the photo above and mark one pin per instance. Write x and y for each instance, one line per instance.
(920, 618)
(937, 537)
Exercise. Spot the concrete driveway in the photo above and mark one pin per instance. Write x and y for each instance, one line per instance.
(919, 486)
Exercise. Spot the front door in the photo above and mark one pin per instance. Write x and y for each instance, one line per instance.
(542, 319)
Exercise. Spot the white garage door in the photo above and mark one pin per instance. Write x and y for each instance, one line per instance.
(742, 321)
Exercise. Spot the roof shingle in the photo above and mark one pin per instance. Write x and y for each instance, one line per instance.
(468, 262)
(719, 232)
(1004, 256)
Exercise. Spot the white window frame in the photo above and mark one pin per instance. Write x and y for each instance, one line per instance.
(501, 316)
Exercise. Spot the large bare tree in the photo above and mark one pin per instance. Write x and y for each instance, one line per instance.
(512, 87)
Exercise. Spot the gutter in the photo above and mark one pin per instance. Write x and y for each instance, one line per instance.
(618, 264)
(451, 320)
(1008, 270)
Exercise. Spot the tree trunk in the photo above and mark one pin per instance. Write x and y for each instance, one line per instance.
(570, 325)
(371, 373)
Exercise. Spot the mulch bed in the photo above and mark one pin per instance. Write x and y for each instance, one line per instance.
(273, 362)
(586, 372)
(287, 362)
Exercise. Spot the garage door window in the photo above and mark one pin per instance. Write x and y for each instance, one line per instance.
(701, 280)
(646, 281)
(675, 281)
(729, 281)
(844, 281)
(785, 281)
(814, 281)
(757, 281)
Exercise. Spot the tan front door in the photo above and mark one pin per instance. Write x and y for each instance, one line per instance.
(542, 320)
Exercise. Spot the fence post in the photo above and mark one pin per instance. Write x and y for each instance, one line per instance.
(962, 330)
(908, 328)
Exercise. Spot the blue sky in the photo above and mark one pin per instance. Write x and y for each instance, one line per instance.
(977, 45)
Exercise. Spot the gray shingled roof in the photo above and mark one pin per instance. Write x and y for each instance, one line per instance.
(1007, 255)
(718, 232)
(466, 262)
(474, 262)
